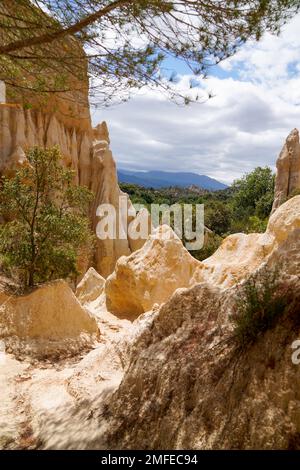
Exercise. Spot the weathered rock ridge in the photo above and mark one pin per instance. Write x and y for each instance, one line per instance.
(29, 119)
(49, 322)
(288, 170)
(171, 379)
(150, 275)
(144, 358)
(186, 387)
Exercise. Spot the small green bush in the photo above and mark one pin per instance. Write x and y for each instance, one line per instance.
(260, 304)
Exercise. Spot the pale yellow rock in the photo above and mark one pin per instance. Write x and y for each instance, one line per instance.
(284, 220)
(136, 225)
(17, 160)
(71, 107)
(5, 135)
(187, 367)
(64, 119)
(237, 255)
(150, 275)
(47, 321)
(104, 184)
(90, 287)
(176, 361)
(288, 170)
(241, 254)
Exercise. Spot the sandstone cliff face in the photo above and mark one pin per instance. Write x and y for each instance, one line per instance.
(85, 150)
(29, 118)
(288, 170)
(64, 83)
(188, 386)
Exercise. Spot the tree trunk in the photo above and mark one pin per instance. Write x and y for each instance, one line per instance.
(31, 277)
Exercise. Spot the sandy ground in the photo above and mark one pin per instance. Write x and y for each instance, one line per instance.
(59, 405)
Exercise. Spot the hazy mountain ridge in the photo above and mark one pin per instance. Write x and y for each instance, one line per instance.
(163, 179)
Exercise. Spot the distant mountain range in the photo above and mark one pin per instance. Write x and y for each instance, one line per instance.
(165, 179)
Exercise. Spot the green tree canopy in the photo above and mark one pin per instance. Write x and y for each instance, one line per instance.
(254, 193)
(45, 225)
(217, 217)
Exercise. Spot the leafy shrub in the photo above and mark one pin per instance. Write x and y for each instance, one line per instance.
(254, 194)
(217, 217)
(45, 225)
(256, 225)
(260, 304)
(264, 205)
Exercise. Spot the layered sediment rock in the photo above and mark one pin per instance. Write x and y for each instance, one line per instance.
(150, 275)
(47, 322)
(241, 254)
(90, 287)
(86, 151)
(188, 383)
(288, 170)
(29, 118)
(173, 379)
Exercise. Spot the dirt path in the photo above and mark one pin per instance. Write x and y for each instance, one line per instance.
(10, 418)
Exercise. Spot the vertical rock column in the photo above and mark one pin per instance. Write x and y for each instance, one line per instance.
(288, 170)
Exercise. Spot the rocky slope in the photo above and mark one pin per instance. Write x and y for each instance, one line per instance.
(175, 377)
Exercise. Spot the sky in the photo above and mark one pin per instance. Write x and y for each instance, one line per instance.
(255, 104)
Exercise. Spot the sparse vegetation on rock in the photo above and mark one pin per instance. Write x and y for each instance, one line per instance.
(260, 304)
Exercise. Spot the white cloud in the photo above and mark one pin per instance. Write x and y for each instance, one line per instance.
(243, 126)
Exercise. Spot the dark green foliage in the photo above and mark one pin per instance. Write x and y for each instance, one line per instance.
(244, 207)
(171, 195)
(45, 224)
(210, 246)
(260, 304)
(254, 193)
(264, 204)
(218, 217)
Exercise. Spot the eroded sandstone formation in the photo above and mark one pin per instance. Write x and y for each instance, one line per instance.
(55, 85)
(49, 322)
(85, 150)
(150, 275)
(29, 118)
(172, 378)
(288, 170)
(90, 287)
(187, 384)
